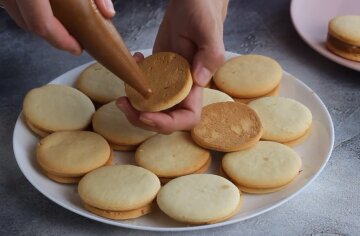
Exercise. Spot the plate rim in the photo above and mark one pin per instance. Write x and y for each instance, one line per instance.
(186, 228)
(330, 56)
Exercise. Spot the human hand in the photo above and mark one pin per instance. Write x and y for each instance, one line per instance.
(36, 16)
(193, 29)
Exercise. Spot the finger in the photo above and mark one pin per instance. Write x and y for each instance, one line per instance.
(138, 56)
(184, 118)
(39, 19)
(206, 61)
(106, 7)
(132, 114)
(13, 10)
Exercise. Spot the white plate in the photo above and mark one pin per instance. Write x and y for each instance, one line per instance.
(311, 18)
(315, 152)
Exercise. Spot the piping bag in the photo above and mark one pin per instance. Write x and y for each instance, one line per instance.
(101, 40)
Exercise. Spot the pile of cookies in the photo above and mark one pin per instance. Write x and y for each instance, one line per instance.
(242, 118)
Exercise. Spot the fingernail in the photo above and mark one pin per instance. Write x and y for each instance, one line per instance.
(110, 6)
(147, 121)
(202, 76)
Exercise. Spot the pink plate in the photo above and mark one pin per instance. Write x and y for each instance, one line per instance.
(311, 18)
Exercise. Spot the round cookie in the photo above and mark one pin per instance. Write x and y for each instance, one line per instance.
(112, 124)
(273, 93)
(72, 153)
(283, 119)
(248, 76)
(199, 199)
(56, 107)
(211, 96)
(169, 77)
(119, 188)
(100, 85)
(344, 36)
(171, 155)
(227, 127)
(266, 166)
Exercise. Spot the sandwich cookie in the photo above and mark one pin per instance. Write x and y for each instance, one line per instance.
(171, 156)
(283, 119)
(266, 167)
(119, 192)
(273, 93)
(170, 79)
(212, 96)
(344, 37)
(56, 107)
(248, 76)
(100, 85)
(66, 156)
(112, 124)
(227, 127)
(199, 199)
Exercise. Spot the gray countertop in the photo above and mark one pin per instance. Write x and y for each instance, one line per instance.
(329, 206)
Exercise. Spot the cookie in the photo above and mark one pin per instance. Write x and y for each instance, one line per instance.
(273, 93)
(248, 76)
(112, 124)
(119, 192)
(283, 119)
(199, 199)
(172, 155)
(266, 167)
(212, 96)
(227, 127)
(68, 155)
(56, 107)
(343, 37)
(99, 84)
(170, 79)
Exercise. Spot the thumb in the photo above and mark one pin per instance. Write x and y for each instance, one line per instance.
(205, 63)
(106, 7)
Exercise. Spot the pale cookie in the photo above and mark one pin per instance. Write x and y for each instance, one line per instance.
(267, 165)
(227, 127)
(169, 77)
(199, 199)
(248, 76)
(99, 84)
(57, 108)
(344, 37)
(120, 215)
(72, 153)
(171, 155)
(211, 96)
(119, 188)
(36, 130)
(202, 170)
(273, 93)
(112, 124)
(283, 119)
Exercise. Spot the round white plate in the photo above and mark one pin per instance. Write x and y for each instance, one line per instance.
(311, 18)
(315, 152)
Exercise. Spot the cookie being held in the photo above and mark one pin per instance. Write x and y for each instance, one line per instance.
(170, 79)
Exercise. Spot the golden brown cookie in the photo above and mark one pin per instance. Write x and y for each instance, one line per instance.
(170, 79)
(227, 127)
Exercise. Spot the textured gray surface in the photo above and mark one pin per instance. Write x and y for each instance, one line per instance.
(329, 206)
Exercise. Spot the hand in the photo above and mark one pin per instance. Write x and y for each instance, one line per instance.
(36, 16)
(193, 29)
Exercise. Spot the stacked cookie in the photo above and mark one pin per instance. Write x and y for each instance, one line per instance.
(249, 77)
